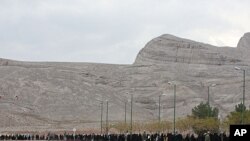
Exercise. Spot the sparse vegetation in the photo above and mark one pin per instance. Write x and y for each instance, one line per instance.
(204, 110)
(236, 116)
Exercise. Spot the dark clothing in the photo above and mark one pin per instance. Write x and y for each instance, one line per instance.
(116, 137)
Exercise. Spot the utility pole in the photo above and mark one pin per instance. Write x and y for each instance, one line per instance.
(125, 113)
(131, 118)
(174, 106)
(243, 101)
(243, 97)
(244, 86)
(208, 99)
(159, 118)
(101, 114)
(208, 87)
(107, 115)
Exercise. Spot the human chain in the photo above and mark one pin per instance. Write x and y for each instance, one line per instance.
(119, 137)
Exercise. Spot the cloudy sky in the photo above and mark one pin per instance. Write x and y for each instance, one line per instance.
(112, 31)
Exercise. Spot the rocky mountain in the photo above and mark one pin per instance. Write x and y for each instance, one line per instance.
(58, 95)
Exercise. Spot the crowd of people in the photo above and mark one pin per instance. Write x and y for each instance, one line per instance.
(120, 137)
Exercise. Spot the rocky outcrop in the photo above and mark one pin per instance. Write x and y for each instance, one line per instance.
(168, 48)
(53, 95)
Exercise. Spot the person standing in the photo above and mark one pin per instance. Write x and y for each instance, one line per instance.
(144, 136)
(126, 136)
(207, 136)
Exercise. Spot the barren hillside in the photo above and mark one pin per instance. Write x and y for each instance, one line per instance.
(57, 95)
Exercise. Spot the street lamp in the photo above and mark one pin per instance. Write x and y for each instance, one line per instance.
(101, 101)
(131, 118)
(126, 101)
(243, 97)
(101, 114)
(107, 115)
(174, 102)
(125, 113)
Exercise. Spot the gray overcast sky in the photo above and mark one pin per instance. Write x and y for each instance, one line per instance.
(112, 31)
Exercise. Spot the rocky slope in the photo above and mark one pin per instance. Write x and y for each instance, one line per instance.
(53, 95)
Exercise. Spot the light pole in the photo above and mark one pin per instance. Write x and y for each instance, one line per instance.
(131, 118)
(101, 105)
(159, 118)
(107, 115)
(125, 113)
(243, 97)
(101, 114)
(174, 103)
